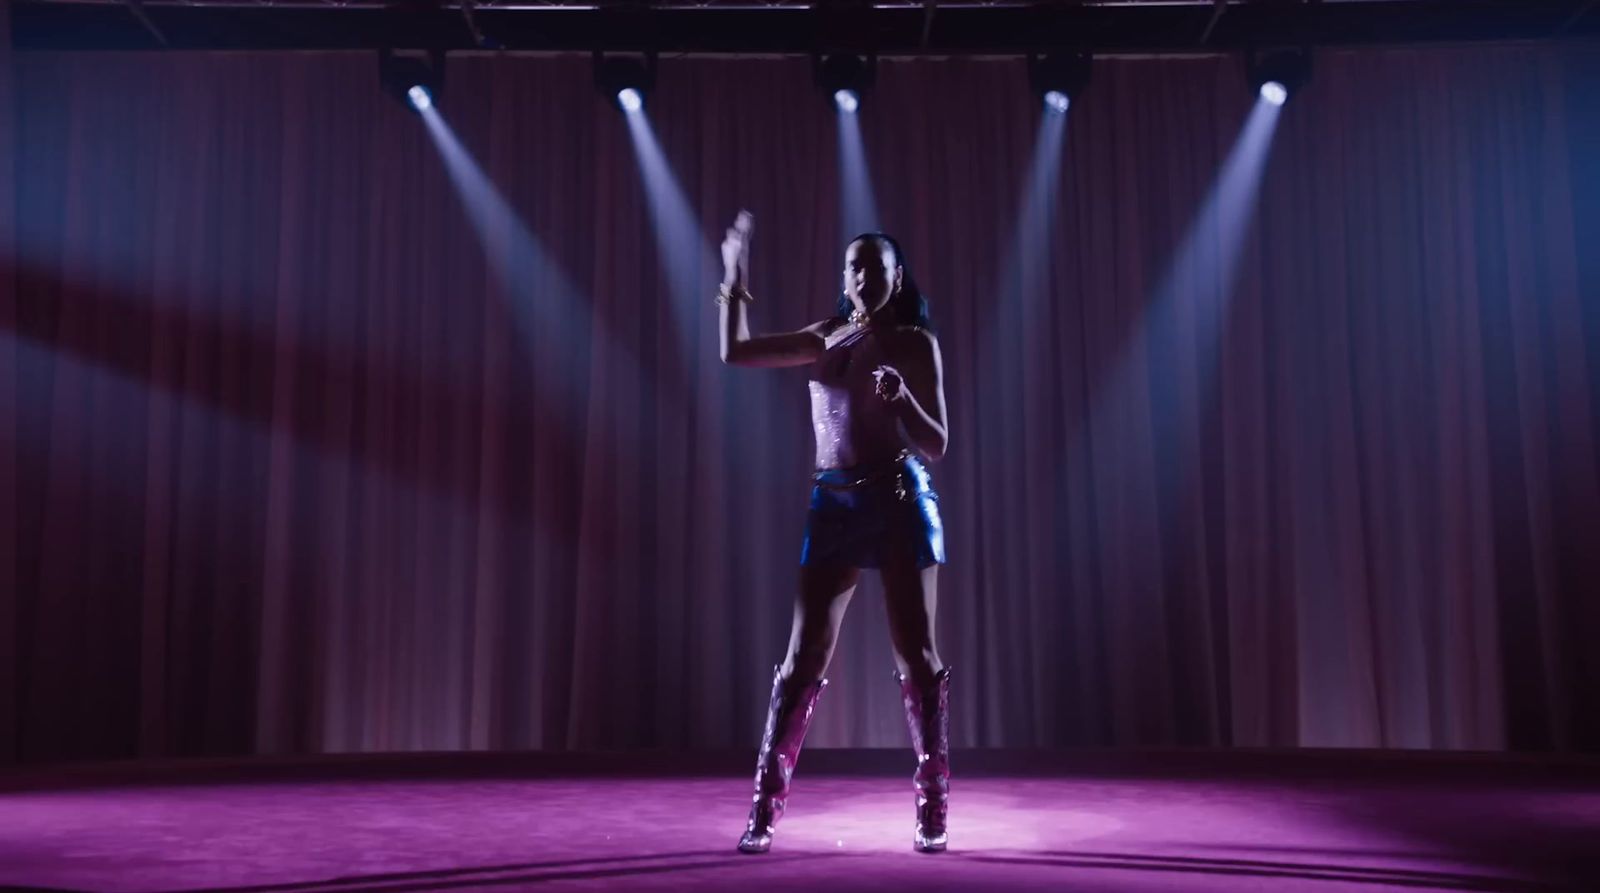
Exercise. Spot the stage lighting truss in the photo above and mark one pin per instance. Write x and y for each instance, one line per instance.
(886, 28)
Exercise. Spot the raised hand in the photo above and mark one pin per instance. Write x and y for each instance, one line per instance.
(736, 249)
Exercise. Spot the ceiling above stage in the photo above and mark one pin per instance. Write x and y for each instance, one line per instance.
(888, 27)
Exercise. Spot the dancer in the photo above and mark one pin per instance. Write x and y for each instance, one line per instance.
(878, 410)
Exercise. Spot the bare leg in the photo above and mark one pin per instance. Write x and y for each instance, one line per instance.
(825, 592)
(911, 596)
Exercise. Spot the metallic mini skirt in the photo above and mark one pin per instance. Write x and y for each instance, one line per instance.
(858, 514)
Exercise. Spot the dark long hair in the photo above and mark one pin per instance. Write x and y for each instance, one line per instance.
(909, 305)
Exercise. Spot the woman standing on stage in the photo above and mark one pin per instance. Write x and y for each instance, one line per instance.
(878, 410)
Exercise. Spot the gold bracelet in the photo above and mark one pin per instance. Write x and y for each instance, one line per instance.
(726, 294)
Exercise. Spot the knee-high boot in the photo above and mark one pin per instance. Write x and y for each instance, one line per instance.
(788, 715)
(928, 719)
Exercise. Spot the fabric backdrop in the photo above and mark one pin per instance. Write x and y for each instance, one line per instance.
(293, 461)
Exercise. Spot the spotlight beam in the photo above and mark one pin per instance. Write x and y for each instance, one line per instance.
(858, 202)
(1026, 260)
(689, 260)
(1206, 265)
(1189, 307)
(845, 78)
(541, 297)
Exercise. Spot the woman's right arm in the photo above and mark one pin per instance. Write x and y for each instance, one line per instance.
(738, 348)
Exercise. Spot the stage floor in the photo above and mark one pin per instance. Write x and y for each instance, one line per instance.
(1189, 821)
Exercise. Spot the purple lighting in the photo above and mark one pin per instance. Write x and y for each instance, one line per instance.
(1027, 260)
(542, 298)
(1175, 343)
(858, 205)
(1201, 833)
(689, 260)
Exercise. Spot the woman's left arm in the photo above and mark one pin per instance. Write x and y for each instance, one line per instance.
(919, 401)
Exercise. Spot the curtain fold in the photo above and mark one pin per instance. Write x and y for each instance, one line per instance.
(10, 595)
(297, 460)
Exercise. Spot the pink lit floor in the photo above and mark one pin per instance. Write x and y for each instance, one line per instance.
(1183, 822)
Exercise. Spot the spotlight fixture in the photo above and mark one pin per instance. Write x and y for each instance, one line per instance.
(1059, 78)
(1277, 75)
(413, 77)
(625, 79)
(844, 78)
